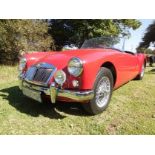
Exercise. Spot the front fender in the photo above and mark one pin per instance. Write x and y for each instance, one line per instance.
(89, 75)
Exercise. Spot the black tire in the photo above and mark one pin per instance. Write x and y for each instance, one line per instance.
(140, 76)
(92, 107)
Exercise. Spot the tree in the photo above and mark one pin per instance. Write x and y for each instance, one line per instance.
(149, 37)
(71, 31)
(22, 35)
(145, 50)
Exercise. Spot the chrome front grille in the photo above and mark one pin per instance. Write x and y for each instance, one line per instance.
(40, 73)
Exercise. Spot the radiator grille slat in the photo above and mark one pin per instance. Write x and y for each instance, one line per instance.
(42, 75)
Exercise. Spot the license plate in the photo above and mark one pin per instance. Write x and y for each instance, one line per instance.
(32, 94)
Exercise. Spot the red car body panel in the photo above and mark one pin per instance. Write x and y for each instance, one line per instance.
(127, 65)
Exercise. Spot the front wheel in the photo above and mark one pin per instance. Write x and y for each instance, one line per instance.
(102, 92)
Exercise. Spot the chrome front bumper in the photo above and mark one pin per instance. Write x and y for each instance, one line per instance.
(34, 91)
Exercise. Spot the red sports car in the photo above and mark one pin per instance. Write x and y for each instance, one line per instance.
(87, 75)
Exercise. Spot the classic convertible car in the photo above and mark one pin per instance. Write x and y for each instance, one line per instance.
(87, 75)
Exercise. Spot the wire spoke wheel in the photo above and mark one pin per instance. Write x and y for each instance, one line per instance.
(103, 88)
(103, 92)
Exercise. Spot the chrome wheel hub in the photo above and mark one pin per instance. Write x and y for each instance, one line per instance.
(103, 92)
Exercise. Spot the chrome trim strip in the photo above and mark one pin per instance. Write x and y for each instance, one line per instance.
(53, 92)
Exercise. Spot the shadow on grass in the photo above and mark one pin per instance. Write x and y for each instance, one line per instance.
(25, 105)
(152, 71)
(71, 108)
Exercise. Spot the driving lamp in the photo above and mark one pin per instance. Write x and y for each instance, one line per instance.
(60, 77)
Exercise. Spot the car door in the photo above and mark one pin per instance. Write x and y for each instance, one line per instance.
(127, 67)
(131, 65)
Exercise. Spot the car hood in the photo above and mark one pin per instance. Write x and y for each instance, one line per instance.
(60, 59)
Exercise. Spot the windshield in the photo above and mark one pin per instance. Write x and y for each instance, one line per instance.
(104, 42)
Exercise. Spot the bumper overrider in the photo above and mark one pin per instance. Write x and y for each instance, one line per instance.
(35, 92)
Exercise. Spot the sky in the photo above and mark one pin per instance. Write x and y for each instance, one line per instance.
(137, 35)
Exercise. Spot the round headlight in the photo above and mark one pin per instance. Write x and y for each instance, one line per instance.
(75, 67)
(60, 77)
(22, 64)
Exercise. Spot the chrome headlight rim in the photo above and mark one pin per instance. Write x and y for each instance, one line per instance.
(57, 77)
(22, 64)
(71, 68)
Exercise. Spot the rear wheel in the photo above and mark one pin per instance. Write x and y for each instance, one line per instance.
(141, 75)
(102, 92)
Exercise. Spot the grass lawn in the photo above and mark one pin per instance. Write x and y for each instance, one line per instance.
(131, 110)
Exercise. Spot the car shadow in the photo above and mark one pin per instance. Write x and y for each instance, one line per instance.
(28, 106)
(71, 108)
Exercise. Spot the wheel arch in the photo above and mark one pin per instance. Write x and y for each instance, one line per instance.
(112, 68)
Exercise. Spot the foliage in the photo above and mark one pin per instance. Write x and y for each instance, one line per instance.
(149, 51)
(17, 36)
(70, 31)
(22, 35)
(145, 50)
(149, 36)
